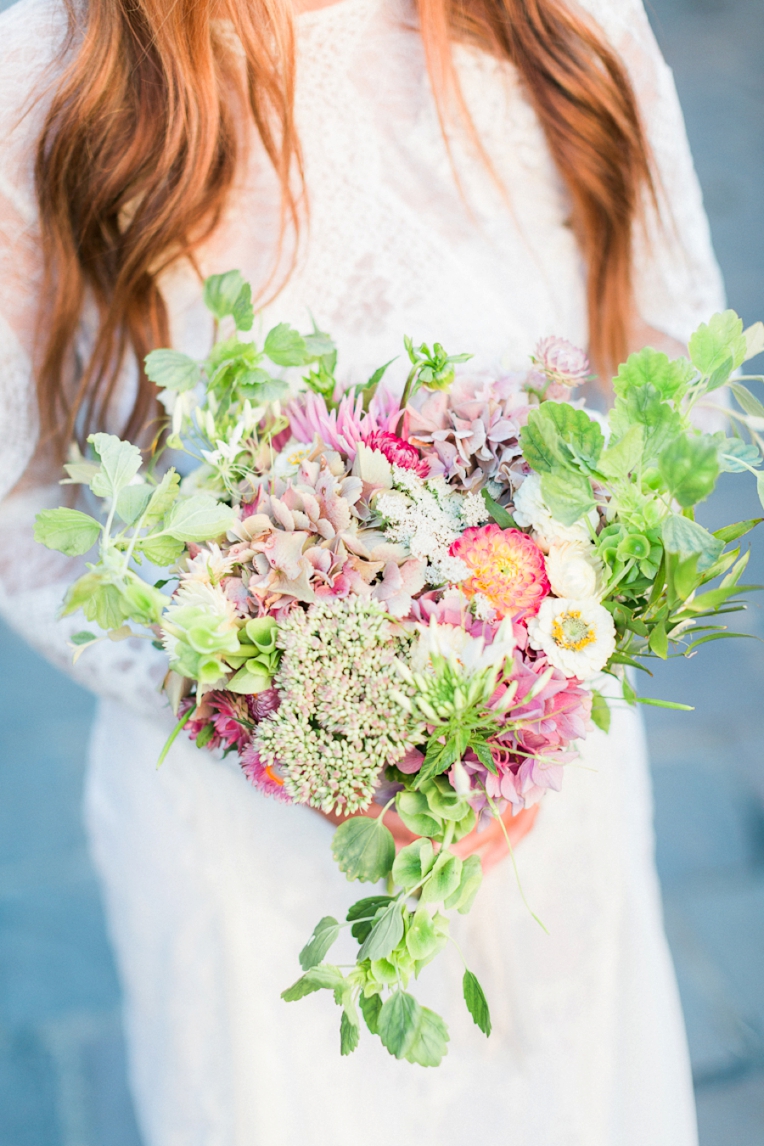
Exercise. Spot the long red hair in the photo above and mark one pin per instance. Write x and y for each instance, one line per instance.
(139, 150)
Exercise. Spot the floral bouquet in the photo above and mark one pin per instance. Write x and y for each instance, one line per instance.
(409, 602)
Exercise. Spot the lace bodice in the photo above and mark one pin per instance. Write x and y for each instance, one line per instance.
(393, 243)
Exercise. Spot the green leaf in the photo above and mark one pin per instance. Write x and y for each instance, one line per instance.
(754, 340)
(747, 401)
(198, 518)
(469, 884)
(629, 695)
(325, 976)
(319, 345)
(325, 933)
(713, 343)
(739, 529)
(665, 703)
(569, 496)
(498, 513)
(443, 880)
(644, 406)
(412, 863)
(618, 461)
(560, 435)
(243, 312)
(143, 603)
(80, 473)
(685, 537)
(689, 467)
(600, 711)
(398, 1022)
(385, 934)
(349, 1035)
(132, 501)
(67, 530)
(735, 455)
(222, 292)
(364, 849)
(370, 1006)
(652, 367)
(83, 638)
(171, 370)
(160, 550)
(443, 801)
(658, 641)
(413, 809)
(541, 449)
(760, 488)
(120, 462)
(483, 753)
(422, 940)
(362, 913)
(163, 497)
(285, 346)
(476, 1002)
(429, 1045)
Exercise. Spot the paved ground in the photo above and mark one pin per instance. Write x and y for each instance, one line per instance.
(62, 1077)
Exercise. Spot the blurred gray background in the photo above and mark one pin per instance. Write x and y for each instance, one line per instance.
(62, 1070)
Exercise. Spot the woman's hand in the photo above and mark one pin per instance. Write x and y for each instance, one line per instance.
(489, 844)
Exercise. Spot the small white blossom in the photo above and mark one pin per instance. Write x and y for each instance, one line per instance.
(474, 510)
(426, 517)
(482, 609)
(578, 637)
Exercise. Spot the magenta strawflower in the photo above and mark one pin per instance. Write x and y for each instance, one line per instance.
(507, 568)
(266, 777)
(397, 452)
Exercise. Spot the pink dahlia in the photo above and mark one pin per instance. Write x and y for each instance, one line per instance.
(265, 777)
(397, 452)
(507, 568)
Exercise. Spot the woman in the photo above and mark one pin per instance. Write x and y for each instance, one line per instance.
(484, 174)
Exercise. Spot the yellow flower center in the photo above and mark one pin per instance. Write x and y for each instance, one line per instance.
(569, 631)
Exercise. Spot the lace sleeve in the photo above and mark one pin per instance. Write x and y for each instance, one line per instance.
(33, 580)
(678, 282)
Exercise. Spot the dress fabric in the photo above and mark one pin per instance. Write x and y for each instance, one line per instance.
(210, 888)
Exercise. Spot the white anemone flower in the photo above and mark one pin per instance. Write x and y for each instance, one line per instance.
(578, 636)
(574, 570)
(531, 510)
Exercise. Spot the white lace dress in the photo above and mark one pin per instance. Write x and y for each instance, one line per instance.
(210, 888)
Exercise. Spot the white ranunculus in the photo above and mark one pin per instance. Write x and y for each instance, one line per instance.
(578, 636)
(531, 510)
(574, 570)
